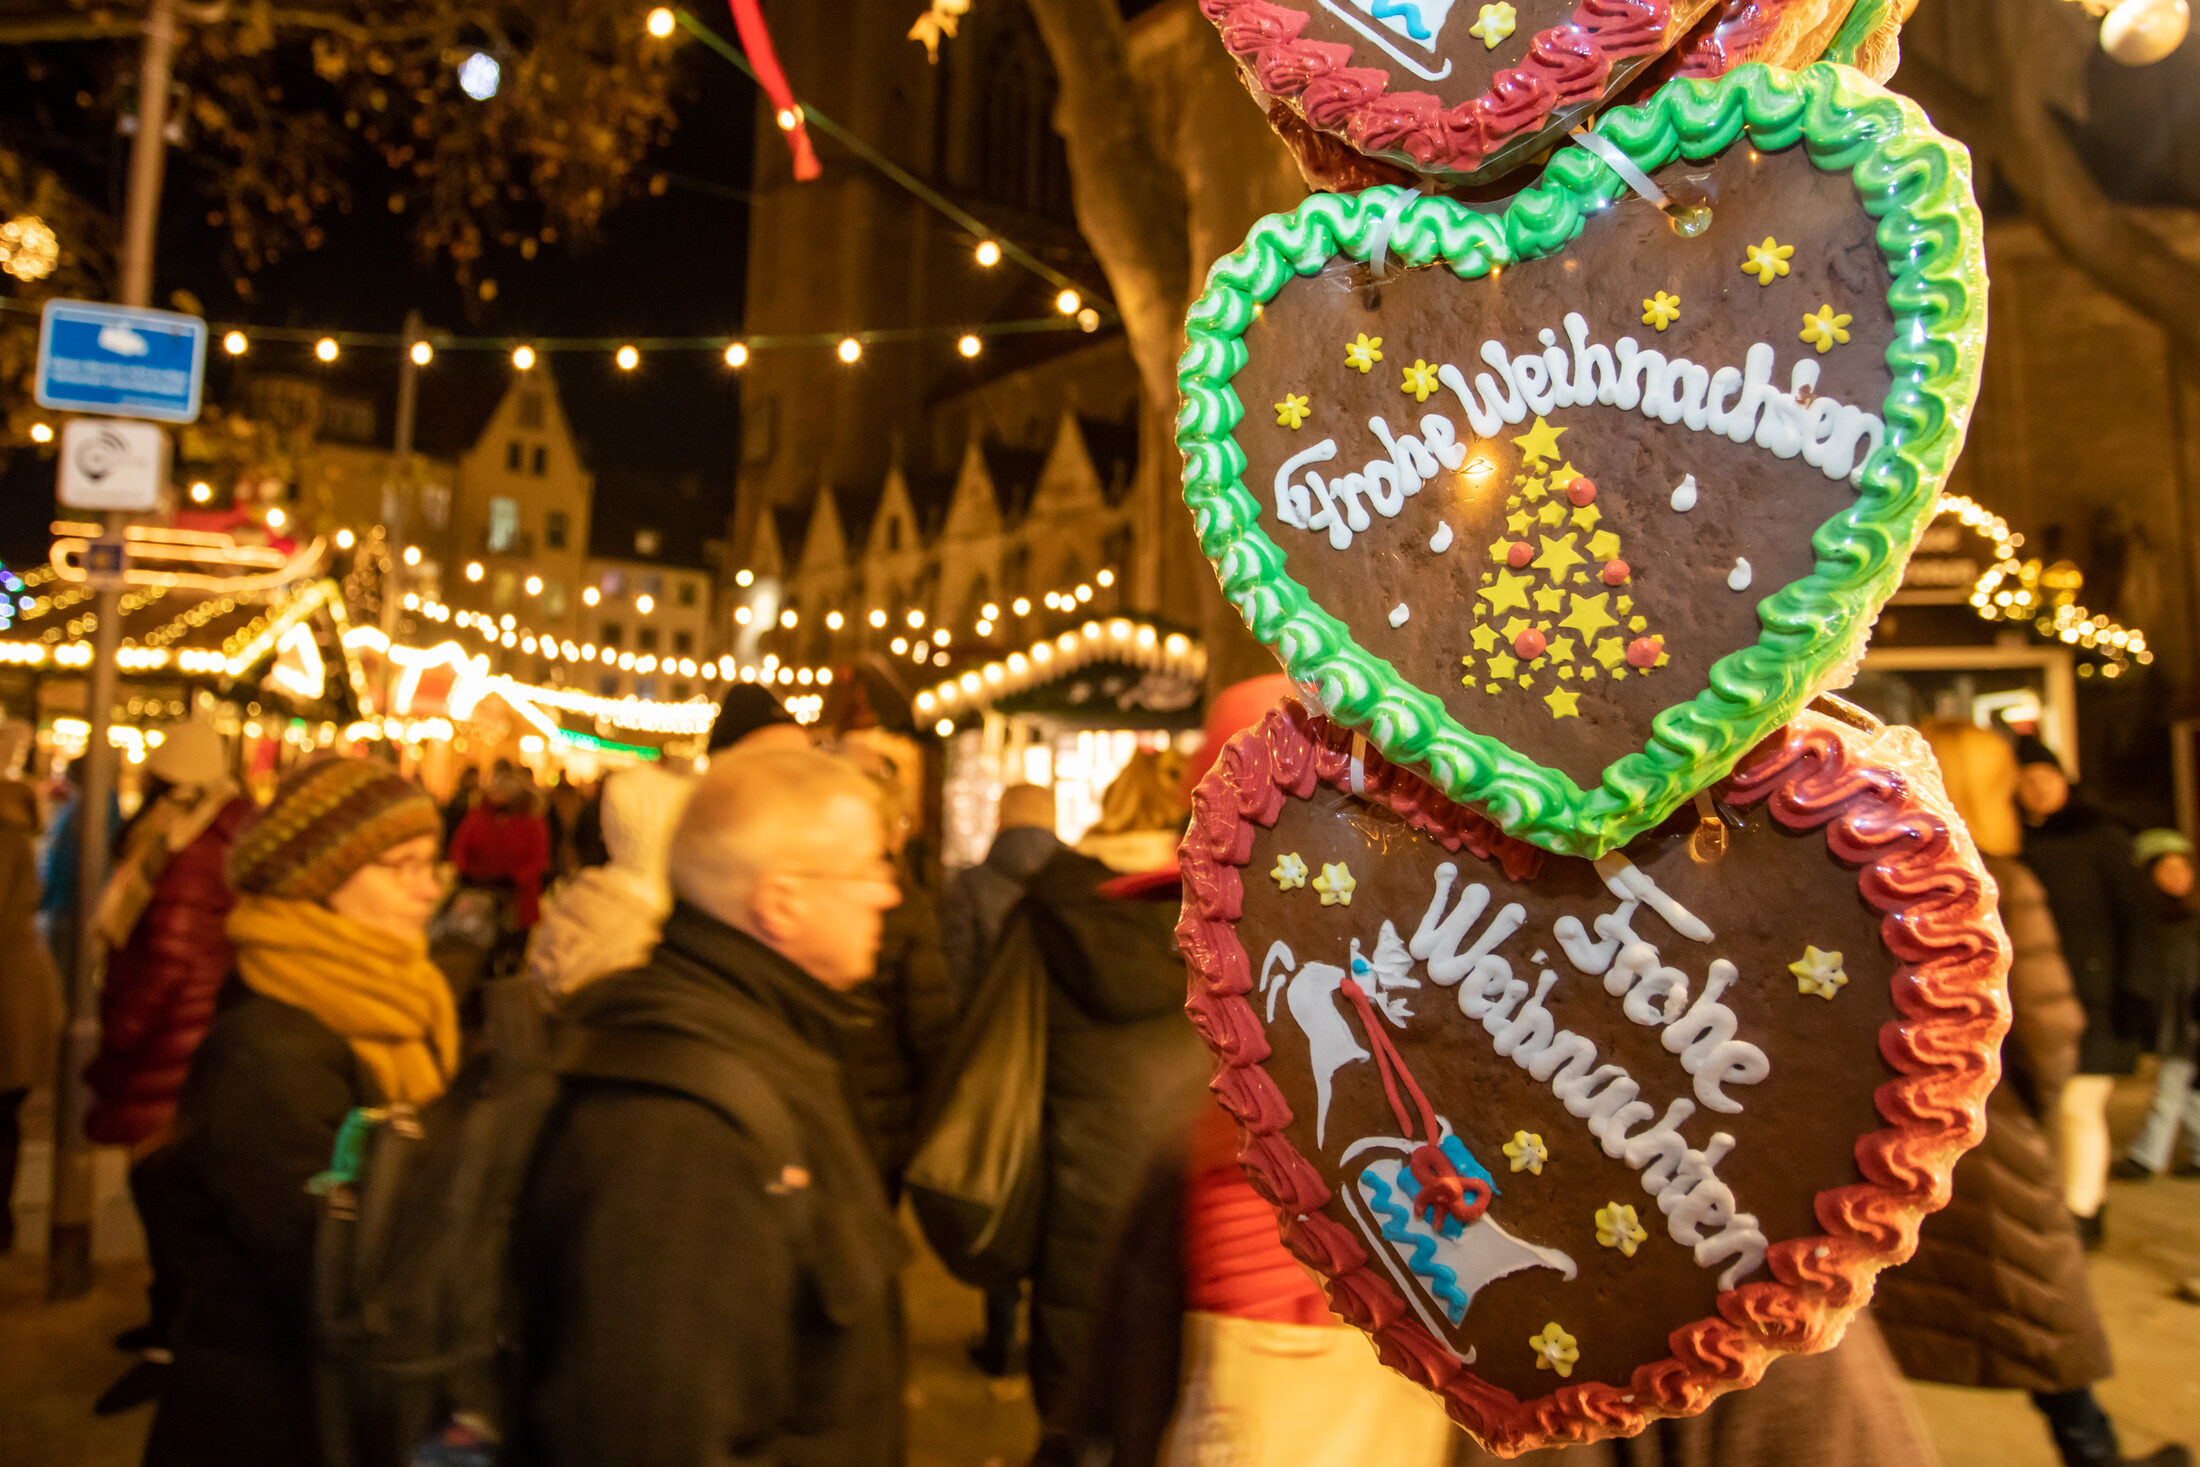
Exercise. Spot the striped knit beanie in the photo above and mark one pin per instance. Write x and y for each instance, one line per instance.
(329, 818)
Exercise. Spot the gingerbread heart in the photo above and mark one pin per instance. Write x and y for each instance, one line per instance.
(1461, 89)
(1581, 1144)
(1573, 503)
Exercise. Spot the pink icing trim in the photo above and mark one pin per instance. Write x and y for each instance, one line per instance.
(1878, 800)
(1566, 64)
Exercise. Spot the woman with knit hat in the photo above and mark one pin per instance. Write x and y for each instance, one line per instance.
(333, 1004)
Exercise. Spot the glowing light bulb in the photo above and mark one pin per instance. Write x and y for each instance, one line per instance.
(744, 577)
(989, 253)
(234, 343)
(877, 618)
(422, 353)
(660, 22)
(325, 348)
(1021, 606)
(41, 432)
(850, 349)
(737, 356)
(787, 618)
(1068, 302)
(788, 118)
(916, 618)
(474, 570)
(645, 603)
(533, 585)
(412, 555)
(479, 76)
(970, 346)
(1105, 578)
(833, 621)
(628, 358)
(344, 538)
(944, 727)
(590, 596)
(276, 519)
(523, 357)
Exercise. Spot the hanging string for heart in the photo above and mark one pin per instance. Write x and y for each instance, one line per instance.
(1687, 219)
(1386, 224)
(1443, 1189)
(1359, 764)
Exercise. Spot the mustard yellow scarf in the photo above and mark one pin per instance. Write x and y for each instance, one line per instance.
(375, 988)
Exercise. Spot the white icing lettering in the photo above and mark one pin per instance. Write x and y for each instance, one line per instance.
(1595, 379)
(1295, 502)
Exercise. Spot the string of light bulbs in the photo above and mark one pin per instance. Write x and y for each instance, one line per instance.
(2014, 590)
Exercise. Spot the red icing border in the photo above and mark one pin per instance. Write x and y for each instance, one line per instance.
(1566, 64)
(1877, 797)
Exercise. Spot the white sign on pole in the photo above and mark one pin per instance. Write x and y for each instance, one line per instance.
(112, 463)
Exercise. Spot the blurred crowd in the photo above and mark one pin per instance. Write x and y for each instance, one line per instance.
(569, 1125)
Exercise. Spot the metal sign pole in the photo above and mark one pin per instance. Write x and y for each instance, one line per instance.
(69, 1241)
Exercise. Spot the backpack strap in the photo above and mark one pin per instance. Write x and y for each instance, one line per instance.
(661, 1060)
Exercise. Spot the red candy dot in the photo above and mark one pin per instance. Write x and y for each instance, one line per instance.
(1581, 491)
(1528, 646)
(1519, 553)
(1645, 652)
(1615, 573)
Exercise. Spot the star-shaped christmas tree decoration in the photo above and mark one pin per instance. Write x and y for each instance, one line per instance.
(1589, 615)
(1335, 884)
(1541, 441)
(1563, 703)
(1506, 591)
(1484, 637)
(1818, 973)
(1559, 555)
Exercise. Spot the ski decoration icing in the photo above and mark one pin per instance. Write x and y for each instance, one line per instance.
(1663, 538)
(1503, 1088)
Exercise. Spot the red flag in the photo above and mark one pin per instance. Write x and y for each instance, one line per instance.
(756, 40)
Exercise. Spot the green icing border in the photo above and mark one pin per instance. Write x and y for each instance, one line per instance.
(1915, 182)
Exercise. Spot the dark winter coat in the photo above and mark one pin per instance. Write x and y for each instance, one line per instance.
(161, 988)
(2168, 974)
(2098, 900)
(681, 1314)
(977, 902)
(1124, 1073)
(1997, 1294)
(905, 1024)
(268, 1088)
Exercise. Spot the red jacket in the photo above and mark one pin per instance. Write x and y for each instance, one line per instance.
(160, 989)
(495, 846)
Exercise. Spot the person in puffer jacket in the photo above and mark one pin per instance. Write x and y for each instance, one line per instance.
(608, 918)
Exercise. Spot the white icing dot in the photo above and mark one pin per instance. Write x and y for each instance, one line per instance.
(1441, 540)
(1539, 956)
(1547, 336)
(1684, 494)
(1820, 1252)
(1737, 579)
(1398, 614)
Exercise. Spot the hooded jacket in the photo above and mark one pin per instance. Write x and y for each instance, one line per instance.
(681, 1314)
(606, 919)
(978, 902)
(1996, 1294)
(904, 1024)
(162, 984)
(1125, 1072)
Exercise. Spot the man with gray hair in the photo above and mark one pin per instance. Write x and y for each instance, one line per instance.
(715, 1282)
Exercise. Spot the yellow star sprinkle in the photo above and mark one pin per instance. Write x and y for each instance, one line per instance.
(1485, 638)
(1560, 649)
(1494, 24)
(1818, 973)
(1618, 1227)
(1555, 1349)
(1290, 872)
(1512, 629)
(1589, 616)
(1541, 441)
(1503, 665)
(1558, 557)
(1587, 516)
(1603, 545)
(1533, 489)
(1291, 411)
(1527, 1152)
(1553, 513)
(1563, 702)
(1767, 261)
(1823, 329)
(1364, 353)
(1499, 549)
(1518, 523)
(1610, 652)
(1507, 590)
(1661, 310)
(1550, 600)
(1637, 623)
(1335, 884)
(1420, 380)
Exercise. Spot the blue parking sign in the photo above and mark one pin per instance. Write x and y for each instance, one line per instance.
(120, 360)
